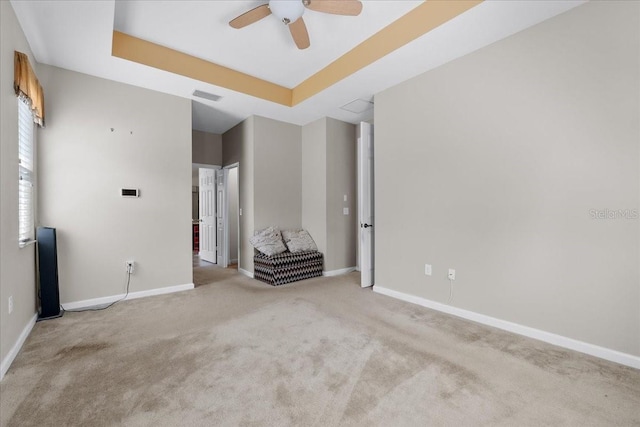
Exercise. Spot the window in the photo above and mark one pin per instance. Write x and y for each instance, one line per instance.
(26, 191)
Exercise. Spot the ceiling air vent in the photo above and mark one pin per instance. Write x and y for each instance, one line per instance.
(358, 106)
(207, 95)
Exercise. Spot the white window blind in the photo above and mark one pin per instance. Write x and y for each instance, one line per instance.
(26, 173)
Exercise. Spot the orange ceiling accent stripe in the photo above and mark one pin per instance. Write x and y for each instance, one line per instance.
(151, 54)
(417, 22)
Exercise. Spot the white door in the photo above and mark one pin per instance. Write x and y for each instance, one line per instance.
(365, 204)
(220, 214)
(207, 201)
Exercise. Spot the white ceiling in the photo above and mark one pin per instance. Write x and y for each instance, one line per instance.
(76, 35)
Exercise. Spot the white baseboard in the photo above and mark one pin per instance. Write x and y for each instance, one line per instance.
(75, 305)
(9, 358)
(233, 261)
(559, 340)
(245, 272)
(338, 272)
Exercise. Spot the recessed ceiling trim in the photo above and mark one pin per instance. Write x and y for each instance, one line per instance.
(417, 22)
(147, 53)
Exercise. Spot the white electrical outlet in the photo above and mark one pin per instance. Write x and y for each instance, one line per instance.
(10, 304)
(345, 211)
(130, 266)
(452, 274)
(427, 269)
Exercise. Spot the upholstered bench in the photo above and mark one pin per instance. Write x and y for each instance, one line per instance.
(287, 267)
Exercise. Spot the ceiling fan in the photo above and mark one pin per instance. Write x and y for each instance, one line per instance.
(290, 13)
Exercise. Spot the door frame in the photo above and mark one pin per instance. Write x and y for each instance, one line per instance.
(225, 246)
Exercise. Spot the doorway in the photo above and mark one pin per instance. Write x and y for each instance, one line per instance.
(204, 213)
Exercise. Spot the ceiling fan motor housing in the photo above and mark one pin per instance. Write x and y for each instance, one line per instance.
(286, 10)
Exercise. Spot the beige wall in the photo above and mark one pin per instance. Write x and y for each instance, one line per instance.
(491, 165)
(17, 272)
(278, 174)
(83, 165)
(206, 148)
(341, 181)
(314, 182)
(237, 146)
(328, 174)
(232, 141)
(269, 157)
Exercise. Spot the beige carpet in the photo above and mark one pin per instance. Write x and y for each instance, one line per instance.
(321, 352)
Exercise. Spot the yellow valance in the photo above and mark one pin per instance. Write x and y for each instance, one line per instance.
(26, 84)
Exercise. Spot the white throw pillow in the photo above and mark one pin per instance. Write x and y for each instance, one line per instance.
(268, 241)
(298, 241)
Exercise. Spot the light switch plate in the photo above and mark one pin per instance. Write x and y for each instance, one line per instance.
(345, 211)
(427, 269)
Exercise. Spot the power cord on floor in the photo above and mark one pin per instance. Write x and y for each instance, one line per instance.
(106, 306)
(450, 291)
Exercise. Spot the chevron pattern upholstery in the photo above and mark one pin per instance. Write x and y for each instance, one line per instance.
(287, 267)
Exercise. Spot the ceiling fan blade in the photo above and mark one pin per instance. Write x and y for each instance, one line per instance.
(254, 15)
(299, 33)
(336, 7)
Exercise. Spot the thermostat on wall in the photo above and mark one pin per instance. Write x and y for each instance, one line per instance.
(130, 192)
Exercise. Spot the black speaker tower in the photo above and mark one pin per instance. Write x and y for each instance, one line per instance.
(48, 273)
